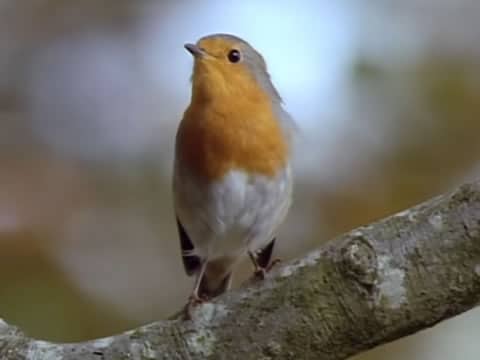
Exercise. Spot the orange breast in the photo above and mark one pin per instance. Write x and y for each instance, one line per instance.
(218, 136)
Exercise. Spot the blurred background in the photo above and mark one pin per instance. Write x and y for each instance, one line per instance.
(386, 95)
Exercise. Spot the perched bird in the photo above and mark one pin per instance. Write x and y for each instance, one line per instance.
(232, 178)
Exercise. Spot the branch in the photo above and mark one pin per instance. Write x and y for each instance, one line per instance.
(368, 287)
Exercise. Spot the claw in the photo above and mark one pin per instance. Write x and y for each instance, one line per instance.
(196, 299)
(261, 272)
(193, 301)
(273, 263)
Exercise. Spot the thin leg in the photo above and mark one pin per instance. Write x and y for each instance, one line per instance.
(195, 297)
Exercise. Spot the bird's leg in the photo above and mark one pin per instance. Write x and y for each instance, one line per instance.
(195, 297)
(259, 271)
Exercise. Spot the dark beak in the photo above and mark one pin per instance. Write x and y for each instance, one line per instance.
(194, 50)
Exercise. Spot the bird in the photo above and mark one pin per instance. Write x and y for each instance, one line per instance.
(232, 178)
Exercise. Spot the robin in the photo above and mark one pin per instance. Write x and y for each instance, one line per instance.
(232, 180)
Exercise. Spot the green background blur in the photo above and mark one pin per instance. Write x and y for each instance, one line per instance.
(386, 95)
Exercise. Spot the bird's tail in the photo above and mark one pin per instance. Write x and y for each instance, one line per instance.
(216, 279)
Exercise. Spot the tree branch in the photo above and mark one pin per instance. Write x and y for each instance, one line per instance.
(368, 287)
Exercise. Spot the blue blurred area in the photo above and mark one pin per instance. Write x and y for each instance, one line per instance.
(104, 94)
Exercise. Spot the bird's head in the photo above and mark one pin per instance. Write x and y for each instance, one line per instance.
(225, 65)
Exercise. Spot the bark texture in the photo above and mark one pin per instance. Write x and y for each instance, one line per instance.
(375, 284)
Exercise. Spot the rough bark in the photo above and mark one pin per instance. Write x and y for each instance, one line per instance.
(375, 284)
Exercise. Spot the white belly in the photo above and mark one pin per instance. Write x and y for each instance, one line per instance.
(238, 213)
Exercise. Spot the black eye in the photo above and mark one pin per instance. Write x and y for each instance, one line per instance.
(234, 56)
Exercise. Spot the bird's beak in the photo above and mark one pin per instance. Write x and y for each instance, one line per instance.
(194, 50)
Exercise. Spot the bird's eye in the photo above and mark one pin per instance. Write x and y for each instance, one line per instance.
(234, 56)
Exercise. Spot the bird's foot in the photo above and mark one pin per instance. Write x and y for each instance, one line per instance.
(196, 299)
(261, 272)
(193, 301)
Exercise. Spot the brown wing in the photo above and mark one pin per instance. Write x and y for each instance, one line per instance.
(191, 263)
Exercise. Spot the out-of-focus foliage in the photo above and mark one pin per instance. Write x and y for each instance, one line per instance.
(432, 144)
(36, 292)
(386, 96)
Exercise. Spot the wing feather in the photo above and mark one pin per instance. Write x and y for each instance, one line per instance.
(191, 262)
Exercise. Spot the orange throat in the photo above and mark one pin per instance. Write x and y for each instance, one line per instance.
(231, 132)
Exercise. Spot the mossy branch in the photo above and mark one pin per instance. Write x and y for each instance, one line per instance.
(373, 285)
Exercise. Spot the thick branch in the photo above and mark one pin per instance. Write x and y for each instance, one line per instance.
(370, 286)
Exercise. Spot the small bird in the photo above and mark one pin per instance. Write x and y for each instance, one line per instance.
(232, 179)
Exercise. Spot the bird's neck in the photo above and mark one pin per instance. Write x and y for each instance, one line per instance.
(213, 85)
(225, 132)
